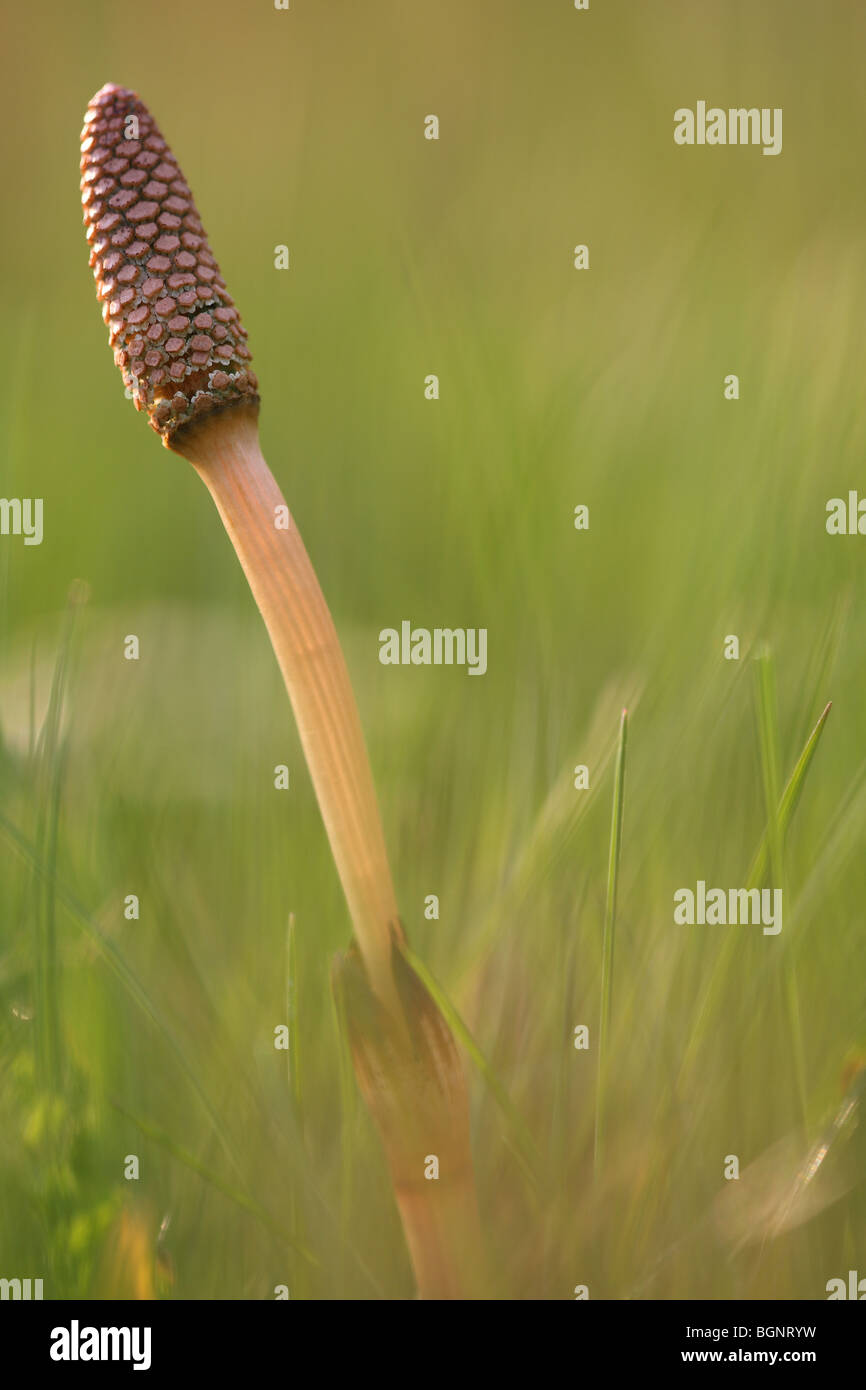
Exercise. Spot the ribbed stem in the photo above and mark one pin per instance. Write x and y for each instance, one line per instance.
(225, 452)
(405, 1057)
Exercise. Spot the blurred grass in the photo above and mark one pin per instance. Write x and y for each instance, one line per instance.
(608, 940)
(557, 387)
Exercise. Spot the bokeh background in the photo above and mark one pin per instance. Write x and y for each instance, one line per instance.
(707, 517)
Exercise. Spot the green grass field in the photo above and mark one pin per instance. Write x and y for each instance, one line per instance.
(154, 1037)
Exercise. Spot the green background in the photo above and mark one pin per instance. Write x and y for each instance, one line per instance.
(558, 387)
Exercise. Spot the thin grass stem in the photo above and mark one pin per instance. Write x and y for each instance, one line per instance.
(613, 864)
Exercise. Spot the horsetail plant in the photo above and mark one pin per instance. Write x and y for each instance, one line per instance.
(182, 350)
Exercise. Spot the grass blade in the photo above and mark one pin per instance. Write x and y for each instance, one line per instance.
(347, 1108)
(768, 739)
(293, 1074)
(754, 879)
(247, 1204)
(790, 797)
(523, 1143)
(49, 784)
(115, 961)
(609, 937)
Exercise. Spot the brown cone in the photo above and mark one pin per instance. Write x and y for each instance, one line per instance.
(176, 334)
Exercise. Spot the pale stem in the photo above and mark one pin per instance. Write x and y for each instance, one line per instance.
(225, 452)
